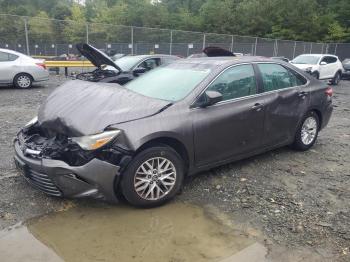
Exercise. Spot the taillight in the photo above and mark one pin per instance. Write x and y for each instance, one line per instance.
(41, 65)
(329, 91)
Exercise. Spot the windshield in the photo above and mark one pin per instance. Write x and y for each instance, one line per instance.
(172, 83)
(126, 63)
(306, 59)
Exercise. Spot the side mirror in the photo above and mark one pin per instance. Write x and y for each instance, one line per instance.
(209, 98)
(139, 70)
(323, 63)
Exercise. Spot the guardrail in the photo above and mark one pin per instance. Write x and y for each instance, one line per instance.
(66, 64)
(78, 63)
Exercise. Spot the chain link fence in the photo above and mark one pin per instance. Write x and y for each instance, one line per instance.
(48, 37)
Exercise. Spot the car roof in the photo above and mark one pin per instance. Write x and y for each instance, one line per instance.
(155, 55)
(10, 51)
(227, 60)
(317, 55)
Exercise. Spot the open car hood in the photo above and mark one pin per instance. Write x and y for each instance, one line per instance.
(213, 51)
(95, 56)
(79, 108)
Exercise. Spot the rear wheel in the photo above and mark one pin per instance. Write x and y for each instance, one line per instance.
(336, 79)
(307, 133)
(23, 81)
(153, 177)
(316, 75)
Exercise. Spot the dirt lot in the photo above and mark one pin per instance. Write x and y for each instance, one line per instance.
(298, 201)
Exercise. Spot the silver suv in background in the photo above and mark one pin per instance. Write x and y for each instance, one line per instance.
(323, 67)
(21, 70)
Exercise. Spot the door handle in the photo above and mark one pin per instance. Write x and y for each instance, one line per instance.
(302, 94)
(257, 107)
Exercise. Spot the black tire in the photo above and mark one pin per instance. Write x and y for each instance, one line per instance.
(336, 79)
(315, 75)
(23, 81)
(298, 143)
(128, 176)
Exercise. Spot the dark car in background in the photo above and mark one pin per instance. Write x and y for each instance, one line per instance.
(346, 71)
(213, 51)
(141, 139)
(123, 69)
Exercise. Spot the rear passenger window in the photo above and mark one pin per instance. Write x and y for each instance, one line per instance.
(12, 57)
(277, 77)
(235, 82)
(5, 57)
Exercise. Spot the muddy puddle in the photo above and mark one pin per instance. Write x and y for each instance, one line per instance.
(176, 232)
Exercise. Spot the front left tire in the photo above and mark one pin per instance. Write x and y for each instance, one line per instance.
(23, 81)
(153, 177)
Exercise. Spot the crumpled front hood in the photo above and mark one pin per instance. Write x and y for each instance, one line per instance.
(80, 108)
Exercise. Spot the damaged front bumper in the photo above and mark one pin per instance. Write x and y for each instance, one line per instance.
(96, 178)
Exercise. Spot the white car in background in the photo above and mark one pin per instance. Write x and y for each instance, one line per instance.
(21, 70)
(323, 67)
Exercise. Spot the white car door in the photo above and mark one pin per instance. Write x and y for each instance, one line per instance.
(7, 67)
(327, 70)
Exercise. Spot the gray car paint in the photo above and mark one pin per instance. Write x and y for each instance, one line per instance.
(211, 136)
(202, 130)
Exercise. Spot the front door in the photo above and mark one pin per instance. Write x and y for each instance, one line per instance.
(231, 127)
(328, 70)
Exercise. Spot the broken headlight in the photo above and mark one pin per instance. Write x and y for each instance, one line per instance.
(96, 141)
(32, 122)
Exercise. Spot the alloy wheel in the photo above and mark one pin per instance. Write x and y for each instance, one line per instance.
(309, 130)
(155, 178)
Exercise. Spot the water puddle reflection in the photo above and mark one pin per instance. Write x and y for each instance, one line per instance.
(176, 232)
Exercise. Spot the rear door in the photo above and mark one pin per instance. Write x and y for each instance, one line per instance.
(231, 127)
(286, 96)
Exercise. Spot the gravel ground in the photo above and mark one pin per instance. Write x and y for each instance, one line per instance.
(298, 200)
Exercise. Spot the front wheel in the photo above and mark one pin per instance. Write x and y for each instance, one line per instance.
(153, 177)
(307, 133)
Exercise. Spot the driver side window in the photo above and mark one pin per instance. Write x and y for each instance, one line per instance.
(235, 82)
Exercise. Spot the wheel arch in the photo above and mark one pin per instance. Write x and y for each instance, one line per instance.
(173, 143)
(319, 115)
(23, 73)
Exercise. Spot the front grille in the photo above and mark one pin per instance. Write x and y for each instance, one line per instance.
(42, 182)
